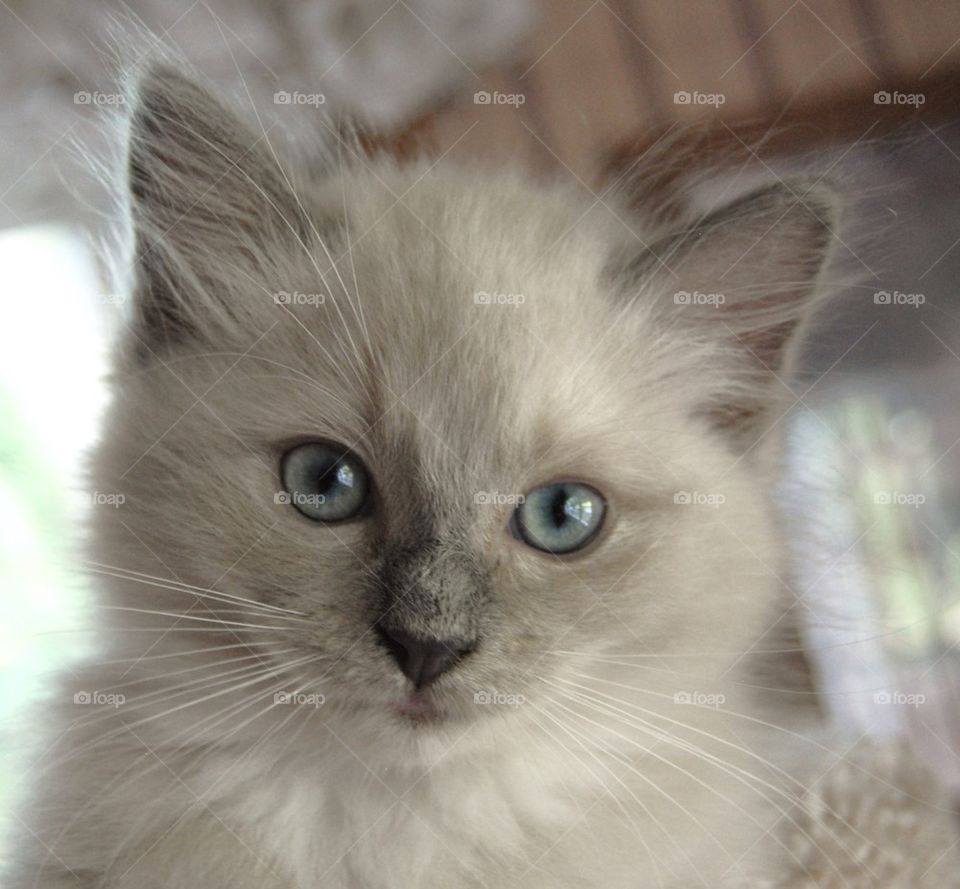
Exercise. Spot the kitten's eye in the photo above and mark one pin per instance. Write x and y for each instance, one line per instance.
(561, 517)
(325, 482)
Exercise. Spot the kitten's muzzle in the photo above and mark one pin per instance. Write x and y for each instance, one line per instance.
(422, 660)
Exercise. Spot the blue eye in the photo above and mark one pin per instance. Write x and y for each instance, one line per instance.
(561, 517)
(325, 482)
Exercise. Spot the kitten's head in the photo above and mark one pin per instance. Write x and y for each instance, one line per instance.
(454, 432)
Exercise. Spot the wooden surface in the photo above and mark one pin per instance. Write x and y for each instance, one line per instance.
(598, 78)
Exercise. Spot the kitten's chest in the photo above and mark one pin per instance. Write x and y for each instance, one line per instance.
(333, 822)
(336, 823)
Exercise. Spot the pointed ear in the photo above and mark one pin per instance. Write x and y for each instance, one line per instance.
(745, 279)
(209, 206)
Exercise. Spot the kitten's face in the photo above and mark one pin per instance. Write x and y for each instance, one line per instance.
(453, 407)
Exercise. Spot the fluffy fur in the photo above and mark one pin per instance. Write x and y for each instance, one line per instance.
(605, 732)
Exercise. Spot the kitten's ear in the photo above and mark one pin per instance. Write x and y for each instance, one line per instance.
(745, 279)
(209, 206)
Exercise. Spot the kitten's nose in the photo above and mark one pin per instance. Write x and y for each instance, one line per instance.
(423, 661)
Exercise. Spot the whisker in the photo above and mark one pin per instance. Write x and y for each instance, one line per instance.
(130, 574)
(167, 713)
(160, 677)
(596, 694)
(567, 730)
(195, 617)
(672, 742)
(738, 773)
(164, 694)
(189, 652)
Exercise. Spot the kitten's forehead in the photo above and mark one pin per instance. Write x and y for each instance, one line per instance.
(469, 341)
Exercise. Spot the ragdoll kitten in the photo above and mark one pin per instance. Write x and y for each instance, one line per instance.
(445, 550)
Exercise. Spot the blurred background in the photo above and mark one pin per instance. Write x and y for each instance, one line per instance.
(864, 91)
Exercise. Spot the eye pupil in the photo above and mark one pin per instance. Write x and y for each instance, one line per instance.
(561, 505)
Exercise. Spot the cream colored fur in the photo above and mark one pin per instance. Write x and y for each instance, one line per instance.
(628, 748)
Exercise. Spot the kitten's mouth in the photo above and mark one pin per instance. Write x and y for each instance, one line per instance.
(419, 708)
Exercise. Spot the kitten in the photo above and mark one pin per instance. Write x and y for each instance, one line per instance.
(446, 547)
